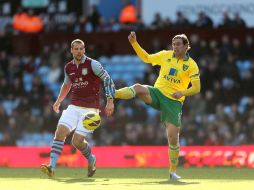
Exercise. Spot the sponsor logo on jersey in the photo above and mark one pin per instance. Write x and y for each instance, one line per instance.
(172, 79)
(173, 72)
(79, 84)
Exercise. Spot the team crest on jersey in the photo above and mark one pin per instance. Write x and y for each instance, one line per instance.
(84, 71)
(185, 67)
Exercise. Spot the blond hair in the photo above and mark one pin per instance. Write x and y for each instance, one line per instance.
(184, 39)
(77, 41)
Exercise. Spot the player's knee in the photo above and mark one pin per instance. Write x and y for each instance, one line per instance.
(173, 141)
(140, 89)
(60, 136)
(76, 143)
(61, 132)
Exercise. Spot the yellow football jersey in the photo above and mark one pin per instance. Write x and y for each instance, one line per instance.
(175, 74)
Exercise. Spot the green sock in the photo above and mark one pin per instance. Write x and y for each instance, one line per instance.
(173, 157)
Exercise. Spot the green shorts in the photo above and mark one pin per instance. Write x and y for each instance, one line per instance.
(171, 110)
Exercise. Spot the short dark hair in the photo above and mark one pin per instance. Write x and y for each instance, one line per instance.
(77, 41)
(184, 39)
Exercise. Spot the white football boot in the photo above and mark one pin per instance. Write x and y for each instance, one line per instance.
(174, 176)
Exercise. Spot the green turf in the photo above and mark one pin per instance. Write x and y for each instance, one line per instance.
(129, 179)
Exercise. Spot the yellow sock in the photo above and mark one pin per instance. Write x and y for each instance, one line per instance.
(125, 93)
(173, 153)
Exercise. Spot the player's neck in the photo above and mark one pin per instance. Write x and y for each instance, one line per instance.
(181, 56)
(77, 62)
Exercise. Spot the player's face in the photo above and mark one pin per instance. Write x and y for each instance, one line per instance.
(78, 51)
(178, 47)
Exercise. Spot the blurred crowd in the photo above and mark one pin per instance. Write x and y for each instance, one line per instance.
(57, 20)
(222, 114)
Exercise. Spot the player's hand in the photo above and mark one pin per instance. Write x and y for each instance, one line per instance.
(132, 37)
(109, 107)
(177, 95)
(56, 106)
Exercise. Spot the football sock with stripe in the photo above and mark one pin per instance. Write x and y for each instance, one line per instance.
(125, 93)
(86, 152)
(56, 150)
(173, 157)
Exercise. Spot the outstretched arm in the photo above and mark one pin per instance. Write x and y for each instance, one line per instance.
(154, 59)
(143, 55)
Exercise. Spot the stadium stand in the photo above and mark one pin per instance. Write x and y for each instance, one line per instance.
(31, 75)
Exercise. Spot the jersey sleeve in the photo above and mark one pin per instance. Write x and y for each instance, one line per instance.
(103, 75)
(98, 69)
(156, 59)
(194, 72)
(66, 77)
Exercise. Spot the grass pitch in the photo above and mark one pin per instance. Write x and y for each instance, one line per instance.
(127, 179)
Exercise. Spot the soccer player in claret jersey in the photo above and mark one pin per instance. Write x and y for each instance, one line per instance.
(167, 95)
(82, 77)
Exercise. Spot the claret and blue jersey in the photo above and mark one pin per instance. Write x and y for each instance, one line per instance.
(85, 78)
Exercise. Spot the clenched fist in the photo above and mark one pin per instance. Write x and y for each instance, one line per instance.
(56, 106)
(132, 37)
(177, 95)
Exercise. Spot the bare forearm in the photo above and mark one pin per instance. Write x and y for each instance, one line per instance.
(110, 100)
(63, 92)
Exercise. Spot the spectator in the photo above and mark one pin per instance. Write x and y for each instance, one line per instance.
(226, 21)
(203, 21)
(84, 25)
(128, 14)
(181, 21)
(94, 17)
(157, 22)
(237, 21)
(27, 22)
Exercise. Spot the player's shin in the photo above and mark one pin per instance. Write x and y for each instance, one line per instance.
(86, 151)
(91, 160)
(125, 93)
(56, 150)
(173, 157)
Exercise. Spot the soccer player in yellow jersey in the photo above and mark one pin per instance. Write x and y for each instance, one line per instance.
(167, 95)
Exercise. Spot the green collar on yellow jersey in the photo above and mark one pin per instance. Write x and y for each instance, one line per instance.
(186, 57)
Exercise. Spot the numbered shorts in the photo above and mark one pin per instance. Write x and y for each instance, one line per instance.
(73, 117)
(171, 110)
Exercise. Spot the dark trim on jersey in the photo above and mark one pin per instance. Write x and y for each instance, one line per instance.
(186, 56)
